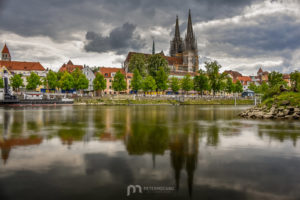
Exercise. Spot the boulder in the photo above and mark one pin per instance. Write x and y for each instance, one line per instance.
(286, 111)
(268, 116)
(295, 116)
(288, 117)
(280, 114)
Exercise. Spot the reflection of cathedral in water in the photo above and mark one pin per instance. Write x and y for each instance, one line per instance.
(184, 156)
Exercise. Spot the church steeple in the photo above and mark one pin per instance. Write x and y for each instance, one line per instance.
(190, 32)
(177, 32)
(5, 55)
(190, 41)
(176, 45)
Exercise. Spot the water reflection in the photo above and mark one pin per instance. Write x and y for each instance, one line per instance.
(203, 151)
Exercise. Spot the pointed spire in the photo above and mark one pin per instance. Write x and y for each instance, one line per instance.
(153, 48)
(177, 32)
(190, 32)
(5, 49)
(176, 44)
(69, 62)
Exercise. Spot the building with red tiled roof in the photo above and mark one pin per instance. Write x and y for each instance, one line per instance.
(69, 67)
(262, 76)
(109, 74)
(245, 80)
(15, 66)
(20, 67)
(233, 74)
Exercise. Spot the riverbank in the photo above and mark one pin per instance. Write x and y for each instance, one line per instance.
(283, 106)
(152, 101)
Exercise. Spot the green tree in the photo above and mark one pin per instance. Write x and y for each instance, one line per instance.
(67, 81)
(201, 82)
(119, 83)
(149, 84)
(295, 80)
(264, 87)
(175, 84)
(154, 62)
(254, 88)
(59, 75)
(1, 82)
(16, 81)
(215, 78)
(137, 81)
(238, 87)
(161, 79)
(138, 62)
(187, 83)
(80, 81)
(275, 78)
(99, 82)
(229, 87)
(33, 81)
(51, 80)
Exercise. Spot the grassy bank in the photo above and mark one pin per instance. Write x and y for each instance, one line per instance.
(285, 98)
(163, 102)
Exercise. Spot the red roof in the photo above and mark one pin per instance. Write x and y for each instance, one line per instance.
(244, 79)
(260, 70)
(24, 66)
(174, 60)
(107, 71)
(70, 67)
(286, 76)
(5, 49)
(234, 74)
(171, 60)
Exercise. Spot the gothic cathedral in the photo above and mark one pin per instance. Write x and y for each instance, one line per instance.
(186, 50)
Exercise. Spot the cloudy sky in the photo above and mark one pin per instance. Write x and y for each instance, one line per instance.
(240, 34)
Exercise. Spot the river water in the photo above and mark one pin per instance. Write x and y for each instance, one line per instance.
(146, 152)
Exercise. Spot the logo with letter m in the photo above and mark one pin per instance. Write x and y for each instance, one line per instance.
(131, 189)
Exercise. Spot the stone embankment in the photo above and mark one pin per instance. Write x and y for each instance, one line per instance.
(273, 112)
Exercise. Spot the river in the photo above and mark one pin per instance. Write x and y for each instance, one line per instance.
(146, 152)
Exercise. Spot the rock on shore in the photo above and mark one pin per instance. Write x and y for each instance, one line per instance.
(274, 112)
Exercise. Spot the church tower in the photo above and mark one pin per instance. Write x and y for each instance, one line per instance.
(176, 45)
(5, 55)
(190, 55)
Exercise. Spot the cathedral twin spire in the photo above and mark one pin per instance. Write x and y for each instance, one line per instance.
(190, 43)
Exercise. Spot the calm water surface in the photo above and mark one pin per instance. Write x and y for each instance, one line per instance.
(172, 152)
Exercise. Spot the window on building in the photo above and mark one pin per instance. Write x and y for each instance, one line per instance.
(109, 87)
(106, 74)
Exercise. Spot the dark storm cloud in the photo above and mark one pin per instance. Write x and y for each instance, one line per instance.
(276, 34)
(120, 40)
